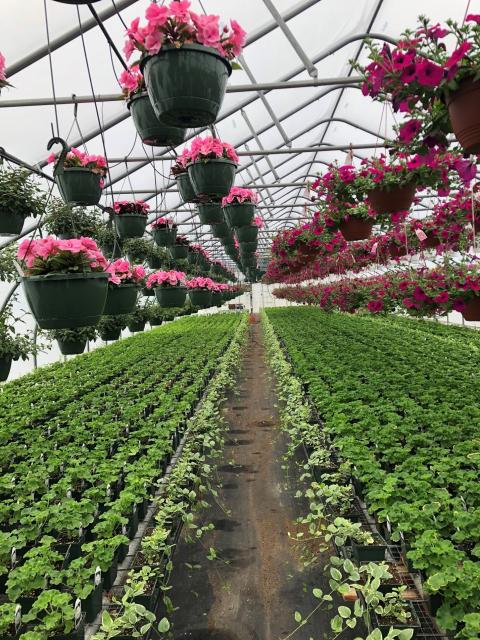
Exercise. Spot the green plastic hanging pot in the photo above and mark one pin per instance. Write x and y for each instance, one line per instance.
(112, 251)
(121, 299)
(71, 347)
(11, 224)
(130, 225)
(200, 297)
(210, 213)
(187, 85)
(148, 292)
(135, 327)
(212, 178)
(151, 131)
(76, 1)
(239, 215)
(247, 234)
(170, 297)
(194, 257)
(179, 251)
(247, 247)
(220, 230)
(5, 366)
(110, 334)
(154, 262)
(164, 236)
(248, 260)
(185, 187)
(78, 185)
(66, 300)
(217, 299)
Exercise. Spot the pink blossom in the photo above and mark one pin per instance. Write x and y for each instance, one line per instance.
(458, 55)
(166, 278)
(473, 18)
(409, 130)
(208, 30)
(2, 67)
(51, 158)
(429, 74)
(131, 80)
(180, 10)
(157, 15)
(240, 195)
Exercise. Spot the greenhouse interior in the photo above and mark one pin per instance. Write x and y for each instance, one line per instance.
(239, 313)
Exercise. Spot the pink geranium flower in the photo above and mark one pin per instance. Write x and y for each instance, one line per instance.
(239, 195)
(166, 279)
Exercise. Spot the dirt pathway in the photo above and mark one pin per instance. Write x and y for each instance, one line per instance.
(251, 590)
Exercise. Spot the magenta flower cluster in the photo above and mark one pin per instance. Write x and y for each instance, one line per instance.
(31, 252)
(238, 195)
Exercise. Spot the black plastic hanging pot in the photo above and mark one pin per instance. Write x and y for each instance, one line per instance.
(179, 251)
(185, 187)
(110, 334)
(121, 299)
(212, 178)
(220, 230)
(217, 299)
(239, 215)
(247, 233)
(135, 327)
(200, 297)
(151, 131)
(66, 300)
(187, 85)
(171, 297)
(210, 213)
(5, 366)
(71, 347)
(130, 225)
(164, 236)
(11, 224)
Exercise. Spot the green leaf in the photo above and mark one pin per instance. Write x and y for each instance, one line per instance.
(164, 625)
(344, 612)
(298, 616)
(318, 593)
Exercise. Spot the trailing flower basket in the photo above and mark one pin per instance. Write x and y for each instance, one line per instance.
(151, 131)
(5, 366)
(71, 347)
(200, 297)
(121, 299)
(247, 233)
(164, 236)
(471, 312)
(11, 224)
(239, 214)
(463, 109)
(66, 300)
(212, 177)
(356, 229)
(210, 213)
(170, 297)
(179, 251)
(130, 225)
(398, 198)
(108, 335)
(186, 85)
(220, 230)
(185, 187)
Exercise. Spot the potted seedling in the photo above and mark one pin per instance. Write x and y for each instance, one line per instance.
(13, 346)
(55, 615)
(138, 319)
(10, 620)
(110, 327)
(73, 341)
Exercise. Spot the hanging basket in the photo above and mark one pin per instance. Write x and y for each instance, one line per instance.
(247, 247)
(76, 1)
(121, 299)
(397, 252)
(130, 225)
(11, 224)
(179, 251)
(71, 347)
(5, 366)
(391, 200)
(151, 131)
(170, 297)
(148, 292)
(239, 215)
(464, 110)
(212, 178)
(78, 185)
(187, 85)
(165, 236)
(110, 334)
(217, 299)
(200, 297)
(356, 229)
(136, 327)
(220, 230)
(471, 313)
(66, 300)
(185, 187)
(210, 213)
(431, 242)
(154, 262)
(247, 234)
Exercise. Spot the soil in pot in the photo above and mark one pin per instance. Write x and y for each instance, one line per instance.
(187, 85)
(356, 229)
(212, 178)
(66, 301)
(384, 624)
(398, 198)
(130, 225)
(164, 236)
(11, 224)
(121, 299)
(70, 348)
(369, 552)
(151, 131)
(210, 213)
(239, 215)
(471, 313)
(171, 297)
(81, 186)
(5, 366)
(463, 108)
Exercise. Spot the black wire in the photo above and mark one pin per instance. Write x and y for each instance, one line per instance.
(118, 14)
(51, 66)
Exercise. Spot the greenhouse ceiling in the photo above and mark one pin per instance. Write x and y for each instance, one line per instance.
(293, 107)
